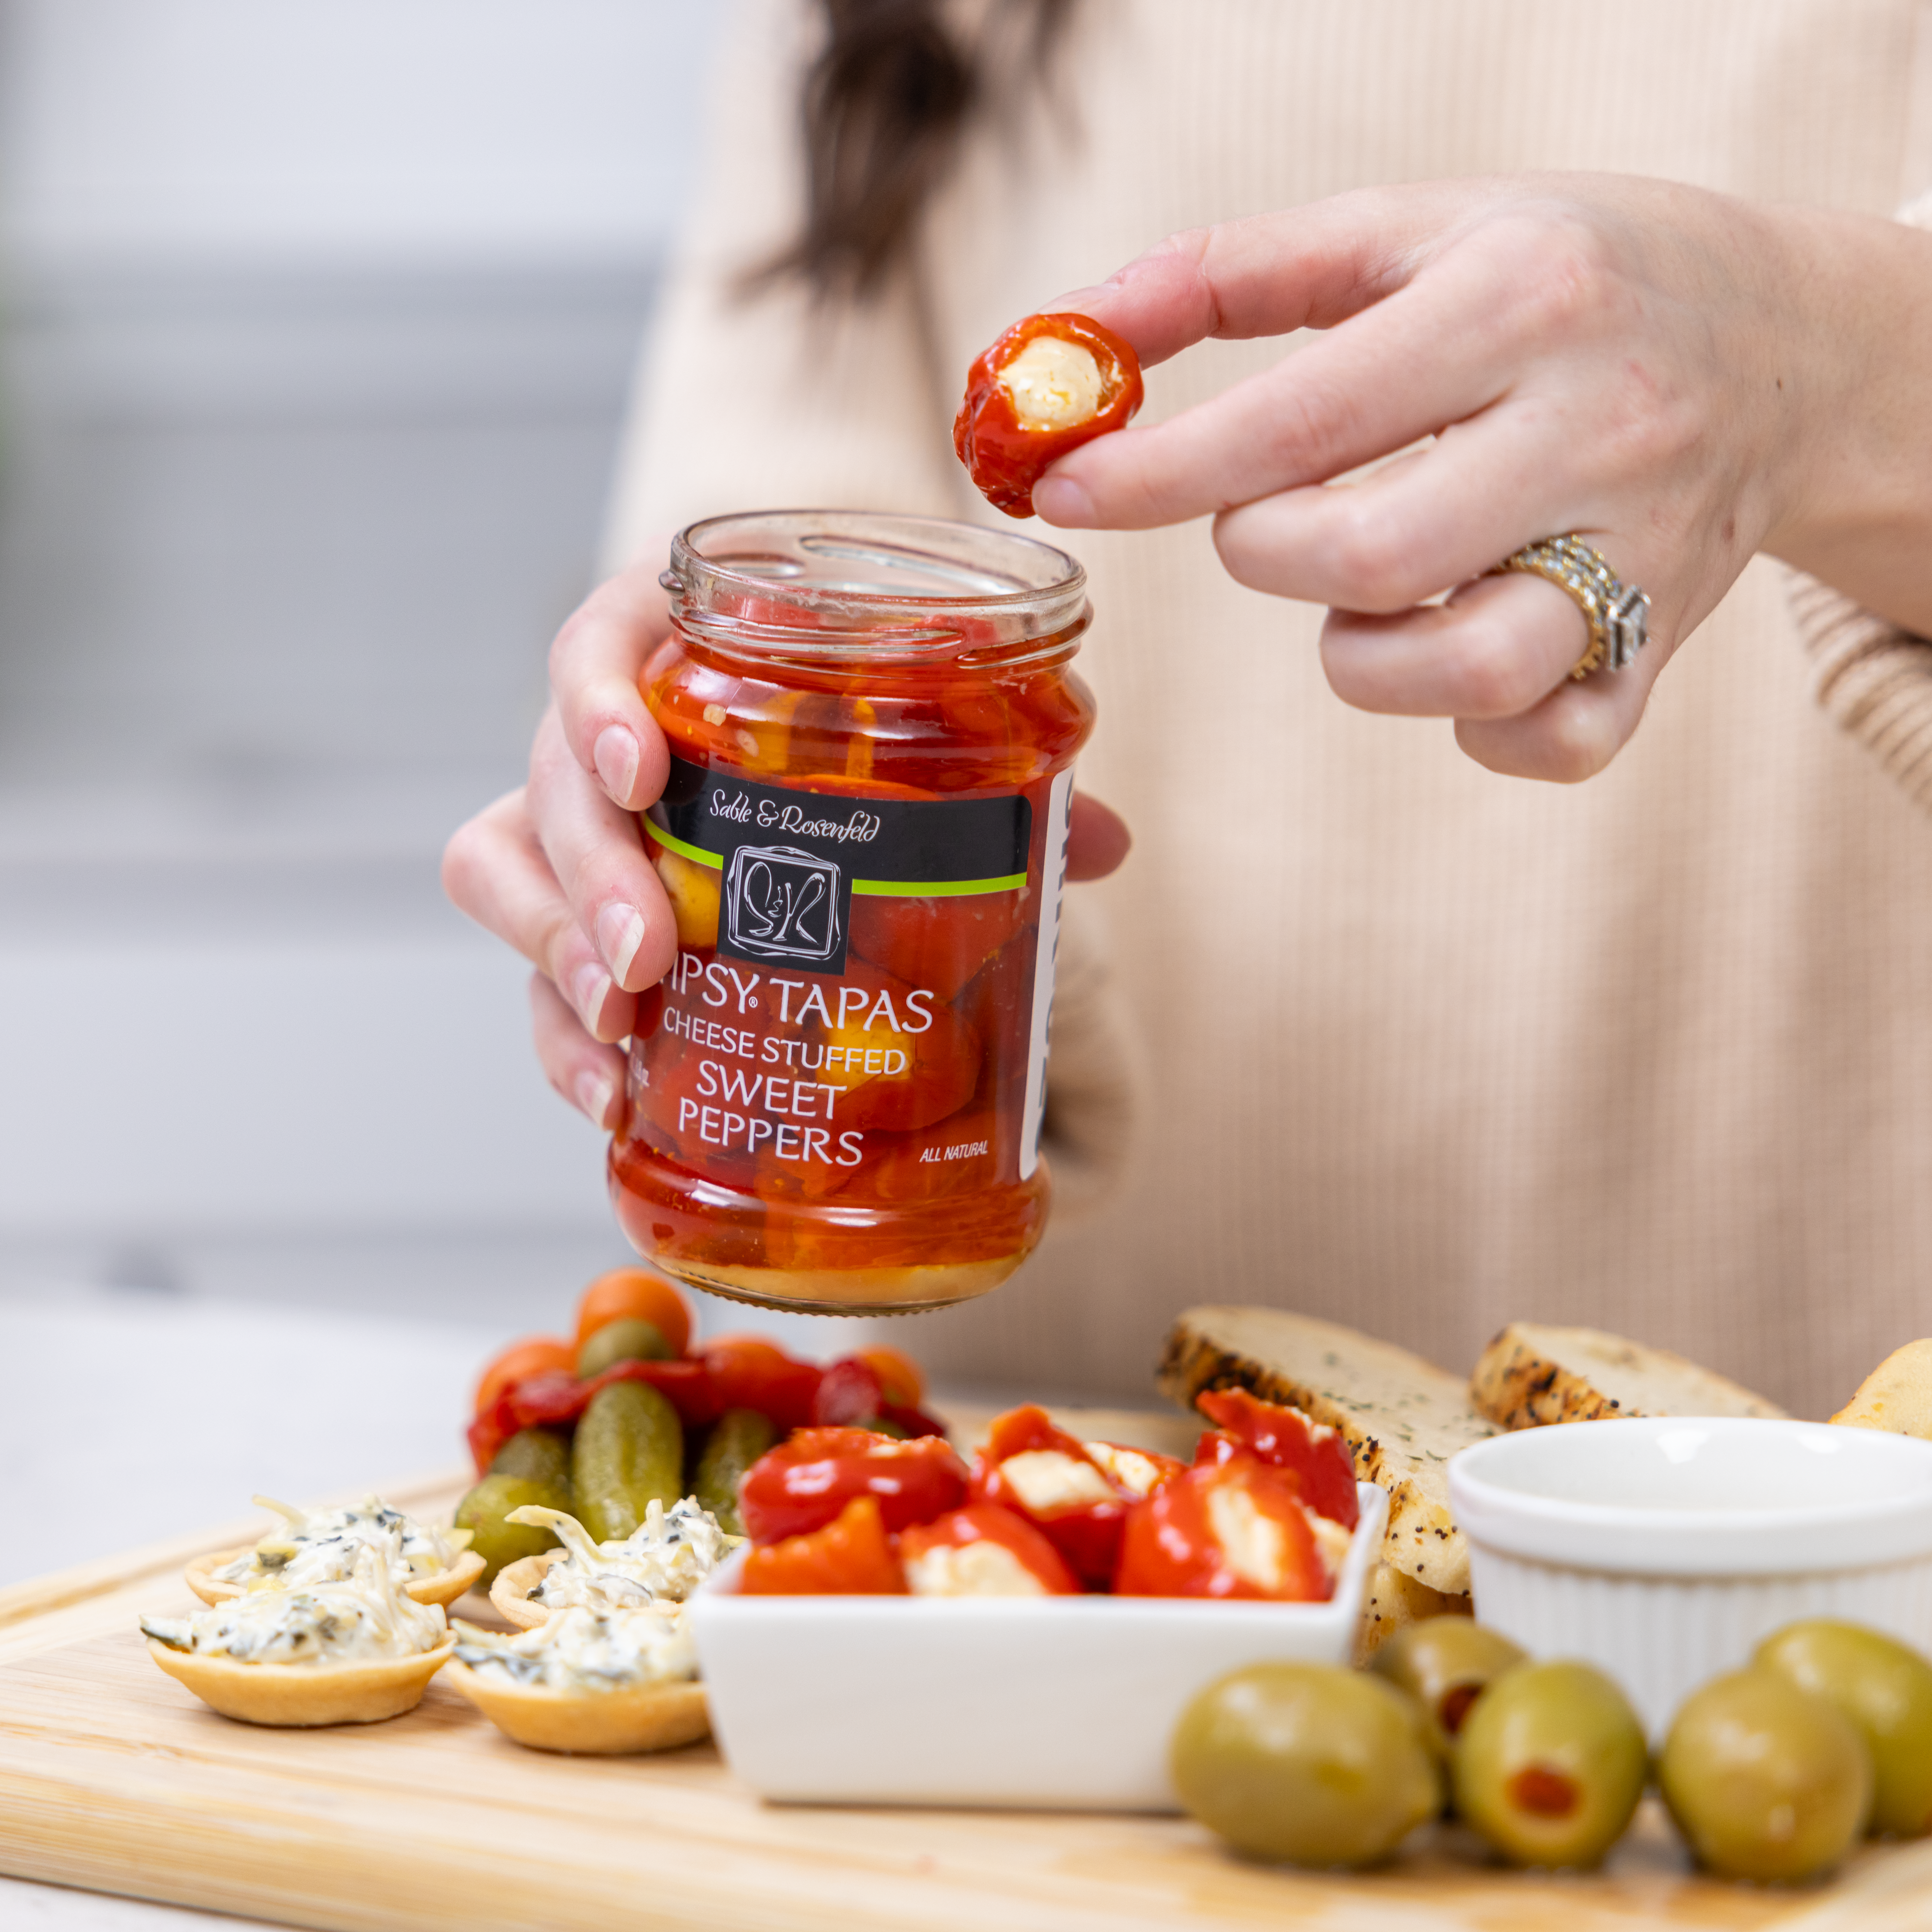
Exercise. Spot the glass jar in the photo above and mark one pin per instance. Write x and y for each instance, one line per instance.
(835, 1094)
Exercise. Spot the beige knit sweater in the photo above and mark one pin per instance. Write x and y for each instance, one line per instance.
(1361, 1029)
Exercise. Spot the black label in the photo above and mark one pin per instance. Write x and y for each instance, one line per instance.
(789, 860)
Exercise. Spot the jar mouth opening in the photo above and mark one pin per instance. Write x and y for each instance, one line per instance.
(838, 582)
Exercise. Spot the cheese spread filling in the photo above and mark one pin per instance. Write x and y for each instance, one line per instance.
(1052, 384)
(358, 1619)
(666, 1556)
(321, 1548)
(586, 1650)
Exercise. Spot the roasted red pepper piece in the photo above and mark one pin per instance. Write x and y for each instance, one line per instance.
(1007, 452)
(555, 1401)
(851, 1556)
(850, 1393)
(983, 1551)
(803, 1483)
(1285, 1437)
(910, 1422)
(747, 1372)
(1043, 1473)
(1231, 1529)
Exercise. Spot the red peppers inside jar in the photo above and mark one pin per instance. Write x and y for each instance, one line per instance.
(835, 1094)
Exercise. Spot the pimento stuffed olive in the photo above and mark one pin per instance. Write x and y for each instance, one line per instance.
(1049, 384)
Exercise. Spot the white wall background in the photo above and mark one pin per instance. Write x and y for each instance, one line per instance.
(320, 318)
(412, 131)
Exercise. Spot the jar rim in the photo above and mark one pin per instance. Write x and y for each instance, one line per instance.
(834, 582)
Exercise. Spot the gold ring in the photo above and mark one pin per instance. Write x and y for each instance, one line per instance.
(1618, 614)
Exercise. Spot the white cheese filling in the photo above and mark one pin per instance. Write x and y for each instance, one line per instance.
(586, 1650)
(666, 1556)
(1331, 1542)
(1052, 384)
(360, 1617)
(1256, 1544)
(1049, 1479)
(1135, 1473)
(984, 1569)
(321, 1548)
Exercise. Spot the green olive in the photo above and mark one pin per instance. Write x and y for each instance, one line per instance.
(626, 1340)
(1307, 1762)
(1884, 1688)
(1445, 1663)
(499, 1542)
(628, 1451)
(1767, 1781)
(1549, 1764)
(738, 1438)
(542, 1455)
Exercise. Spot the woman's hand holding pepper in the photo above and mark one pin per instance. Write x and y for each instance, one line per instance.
(557, 868)
(1681, 378)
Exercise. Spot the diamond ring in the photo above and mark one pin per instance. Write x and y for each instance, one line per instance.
(1618, 614)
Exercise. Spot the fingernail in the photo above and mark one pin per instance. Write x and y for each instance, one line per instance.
(620, 932)
(1061, 500)
(595, 1093)
(588, 988)
(616, 757)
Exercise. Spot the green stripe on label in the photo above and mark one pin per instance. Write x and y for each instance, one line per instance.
(696, 854)
(934, 889)
(871, 889)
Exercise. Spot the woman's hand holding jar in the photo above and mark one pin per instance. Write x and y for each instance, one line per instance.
(1681, 378)
(557, 868)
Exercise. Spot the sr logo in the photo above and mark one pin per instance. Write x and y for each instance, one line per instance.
(782, 904)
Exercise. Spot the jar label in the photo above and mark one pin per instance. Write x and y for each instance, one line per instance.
(1046, 953)
(791, 860)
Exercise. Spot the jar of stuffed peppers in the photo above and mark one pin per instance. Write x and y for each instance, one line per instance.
(835, 1094)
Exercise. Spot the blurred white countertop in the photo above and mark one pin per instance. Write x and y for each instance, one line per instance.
(142, 1416)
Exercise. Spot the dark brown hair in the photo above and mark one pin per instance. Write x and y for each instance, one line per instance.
(884, 106)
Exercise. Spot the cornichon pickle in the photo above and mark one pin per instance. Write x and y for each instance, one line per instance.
(629, 1451)
(1767, 1781)
(541, 1455)
(499, 1542)
(1886, 1688)
(629, 1338)
(742, 1436)
(1549, 1764)
(1307, 1762)
(1445, 1663)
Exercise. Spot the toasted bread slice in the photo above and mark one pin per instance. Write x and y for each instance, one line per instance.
(1531, 1374)
(1402, 1417)
(1896, 1396)
(1394, 1601)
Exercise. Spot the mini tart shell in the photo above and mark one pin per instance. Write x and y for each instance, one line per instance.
(292, 1694)
(606, 1724)
(510, 1594)
(444, 1588)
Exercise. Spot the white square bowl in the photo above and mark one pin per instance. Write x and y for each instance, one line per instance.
(1047, 1703)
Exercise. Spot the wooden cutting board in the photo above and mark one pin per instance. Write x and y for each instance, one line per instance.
(113, 1778)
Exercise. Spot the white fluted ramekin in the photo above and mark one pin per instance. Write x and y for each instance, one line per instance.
(1044, 1703)
(1664, 1548)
